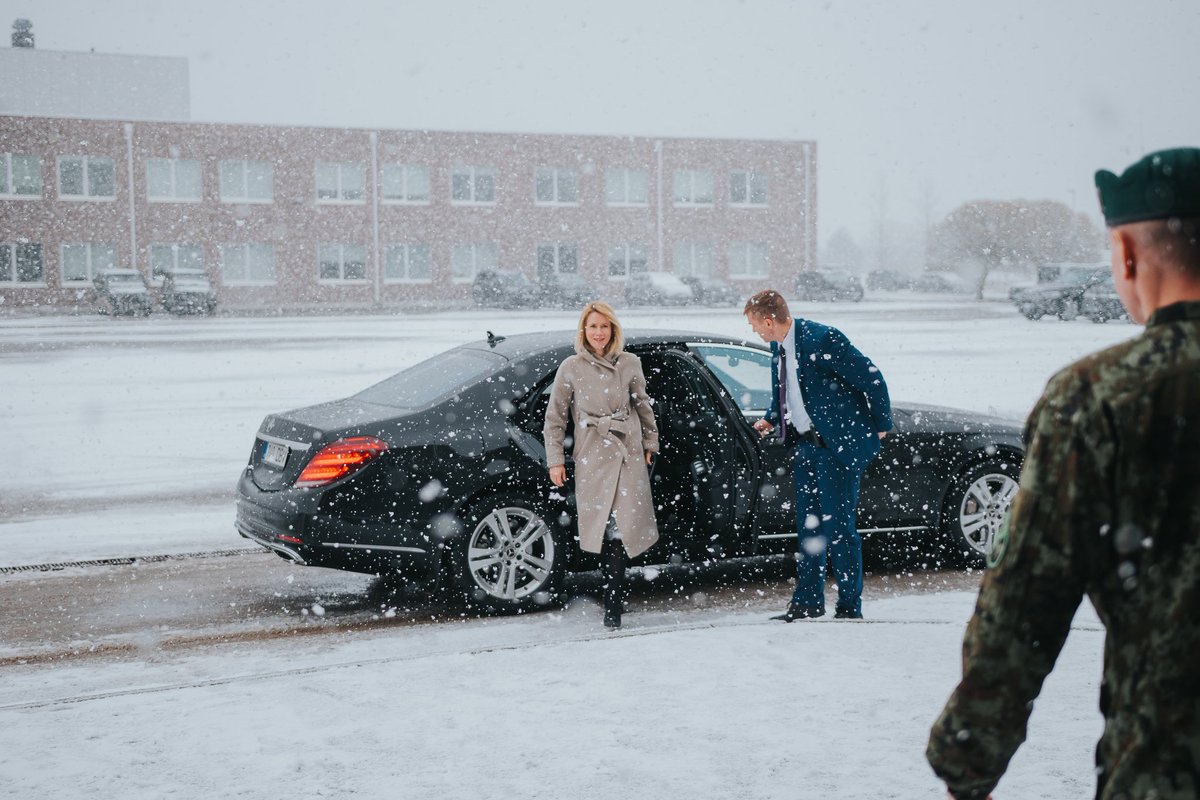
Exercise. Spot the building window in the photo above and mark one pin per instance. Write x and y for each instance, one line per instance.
(555, 185)
(694, 258)
(248, 264)
(404, 183)
(693, 187)
(473, 185)
(20, 175)
(628, 187)
(21, 263)
(468, 260)
(166, 258)
(86, 176)
(172, 179)
(342, 262)
(748, 260)
(626, 259)
(407, 263)
(245, 181)
(747, 188)
(341, 182)
(82, 262)
(552, 258)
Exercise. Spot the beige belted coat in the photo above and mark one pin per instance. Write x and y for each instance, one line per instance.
(614, 426)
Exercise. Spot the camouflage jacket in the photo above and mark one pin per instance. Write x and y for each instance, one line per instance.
(1109, 506)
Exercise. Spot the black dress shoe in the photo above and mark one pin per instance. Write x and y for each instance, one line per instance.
(846, 613)
(795, 612)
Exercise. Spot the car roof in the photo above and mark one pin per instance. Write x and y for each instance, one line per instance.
(524, 345)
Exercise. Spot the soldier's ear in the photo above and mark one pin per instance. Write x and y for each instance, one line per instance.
(1125, 254)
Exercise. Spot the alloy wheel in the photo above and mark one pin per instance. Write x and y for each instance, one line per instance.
(983, 508)
(511, 554)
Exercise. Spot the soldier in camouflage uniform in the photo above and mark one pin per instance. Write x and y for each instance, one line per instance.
(1109, 507)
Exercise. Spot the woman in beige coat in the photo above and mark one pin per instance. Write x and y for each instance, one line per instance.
(603, 390)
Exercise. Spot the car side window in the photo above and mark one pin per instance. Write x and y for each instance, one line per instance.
(744, 372)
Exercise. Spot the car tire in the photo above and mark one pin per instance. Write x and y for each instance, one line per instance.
(1030, 311)
(1068, 310)
(510, 557)
(975, 506)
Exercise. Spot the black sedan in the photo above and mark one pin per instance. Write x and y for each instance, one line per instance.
(437, 475)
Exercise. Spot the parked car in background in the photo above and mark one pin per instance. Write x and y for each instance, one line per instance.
(438, 474)
(564, 290)
(941, 283)
(1100, 301)
(889, 280)
(122, 292)
(503, 289)
(1061, 298)
(656, 289)
(707, 291)
(828, 285)
(187, 291)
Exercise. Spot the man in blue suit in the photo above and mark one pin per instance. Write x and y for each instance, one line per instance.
(831, 404)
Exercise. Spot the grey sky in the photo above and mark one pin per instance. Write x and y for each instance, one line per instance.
(925, 104)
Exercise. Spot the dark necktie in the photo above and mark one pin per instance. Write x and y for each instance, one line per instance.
(781, 428)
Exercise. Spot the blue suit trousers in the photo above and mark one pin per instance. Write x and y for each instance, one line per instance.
(826, 501)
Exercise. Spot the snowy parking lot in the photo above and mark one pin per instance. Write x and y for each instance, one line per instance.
(125, 438)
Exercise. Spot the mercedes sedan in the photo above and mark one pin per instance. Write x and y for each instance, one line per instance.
(437, 475)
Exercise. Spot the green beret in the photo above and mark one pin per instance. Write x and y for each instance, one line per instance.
(1162, 185)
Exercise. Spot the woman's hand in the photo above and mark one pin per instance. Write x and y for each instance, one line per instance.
(558, 475)
(649, 458)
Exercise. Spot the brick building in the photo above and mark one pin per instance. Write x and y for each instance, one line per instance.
(299, 218)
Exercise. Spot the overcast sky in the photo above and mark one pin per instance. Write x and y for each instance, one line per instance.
(915, 105)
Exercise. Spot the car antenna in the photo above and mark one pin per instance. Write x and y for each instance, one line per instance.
(494, 340)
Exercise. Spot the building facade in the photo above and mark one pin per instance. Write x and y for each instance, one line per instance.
(296, 218)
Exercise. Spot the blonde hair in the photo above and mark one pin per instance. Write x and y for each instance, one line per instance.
(616, 344)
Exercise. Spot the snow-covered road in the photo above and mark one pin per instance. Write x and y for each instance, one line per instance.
(112, 426)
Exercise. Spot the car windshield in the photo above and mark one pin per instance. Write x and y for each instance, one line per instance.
(433, 379)
(743, 371)
(115, 278)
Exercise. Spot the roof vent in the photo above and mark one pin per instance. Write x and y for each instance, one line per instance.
(22, 33)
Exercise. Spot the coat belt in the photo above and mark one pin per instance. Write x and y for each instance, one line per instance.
(608, 424)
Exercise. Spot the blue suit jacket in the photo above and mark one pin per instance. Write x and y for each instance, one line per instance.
(843, 392)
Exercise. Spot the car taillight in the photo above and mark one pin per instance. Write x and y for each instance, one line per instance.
(340, 458)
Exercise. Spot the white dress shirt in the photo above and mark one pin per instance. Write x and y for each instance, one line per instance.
(795, 412)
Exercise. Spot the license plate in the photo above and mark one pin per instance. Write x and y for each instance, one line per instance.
(276, 455)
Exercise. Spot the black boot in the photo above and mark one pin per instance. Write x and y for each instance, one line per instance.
(612, 564)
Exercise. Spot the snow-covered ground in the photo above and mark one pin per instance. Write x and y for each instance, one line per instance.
(126, 437)
(704, 704)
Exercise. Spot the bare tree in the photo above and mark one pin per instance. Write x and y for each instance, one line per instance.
(986, 234)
